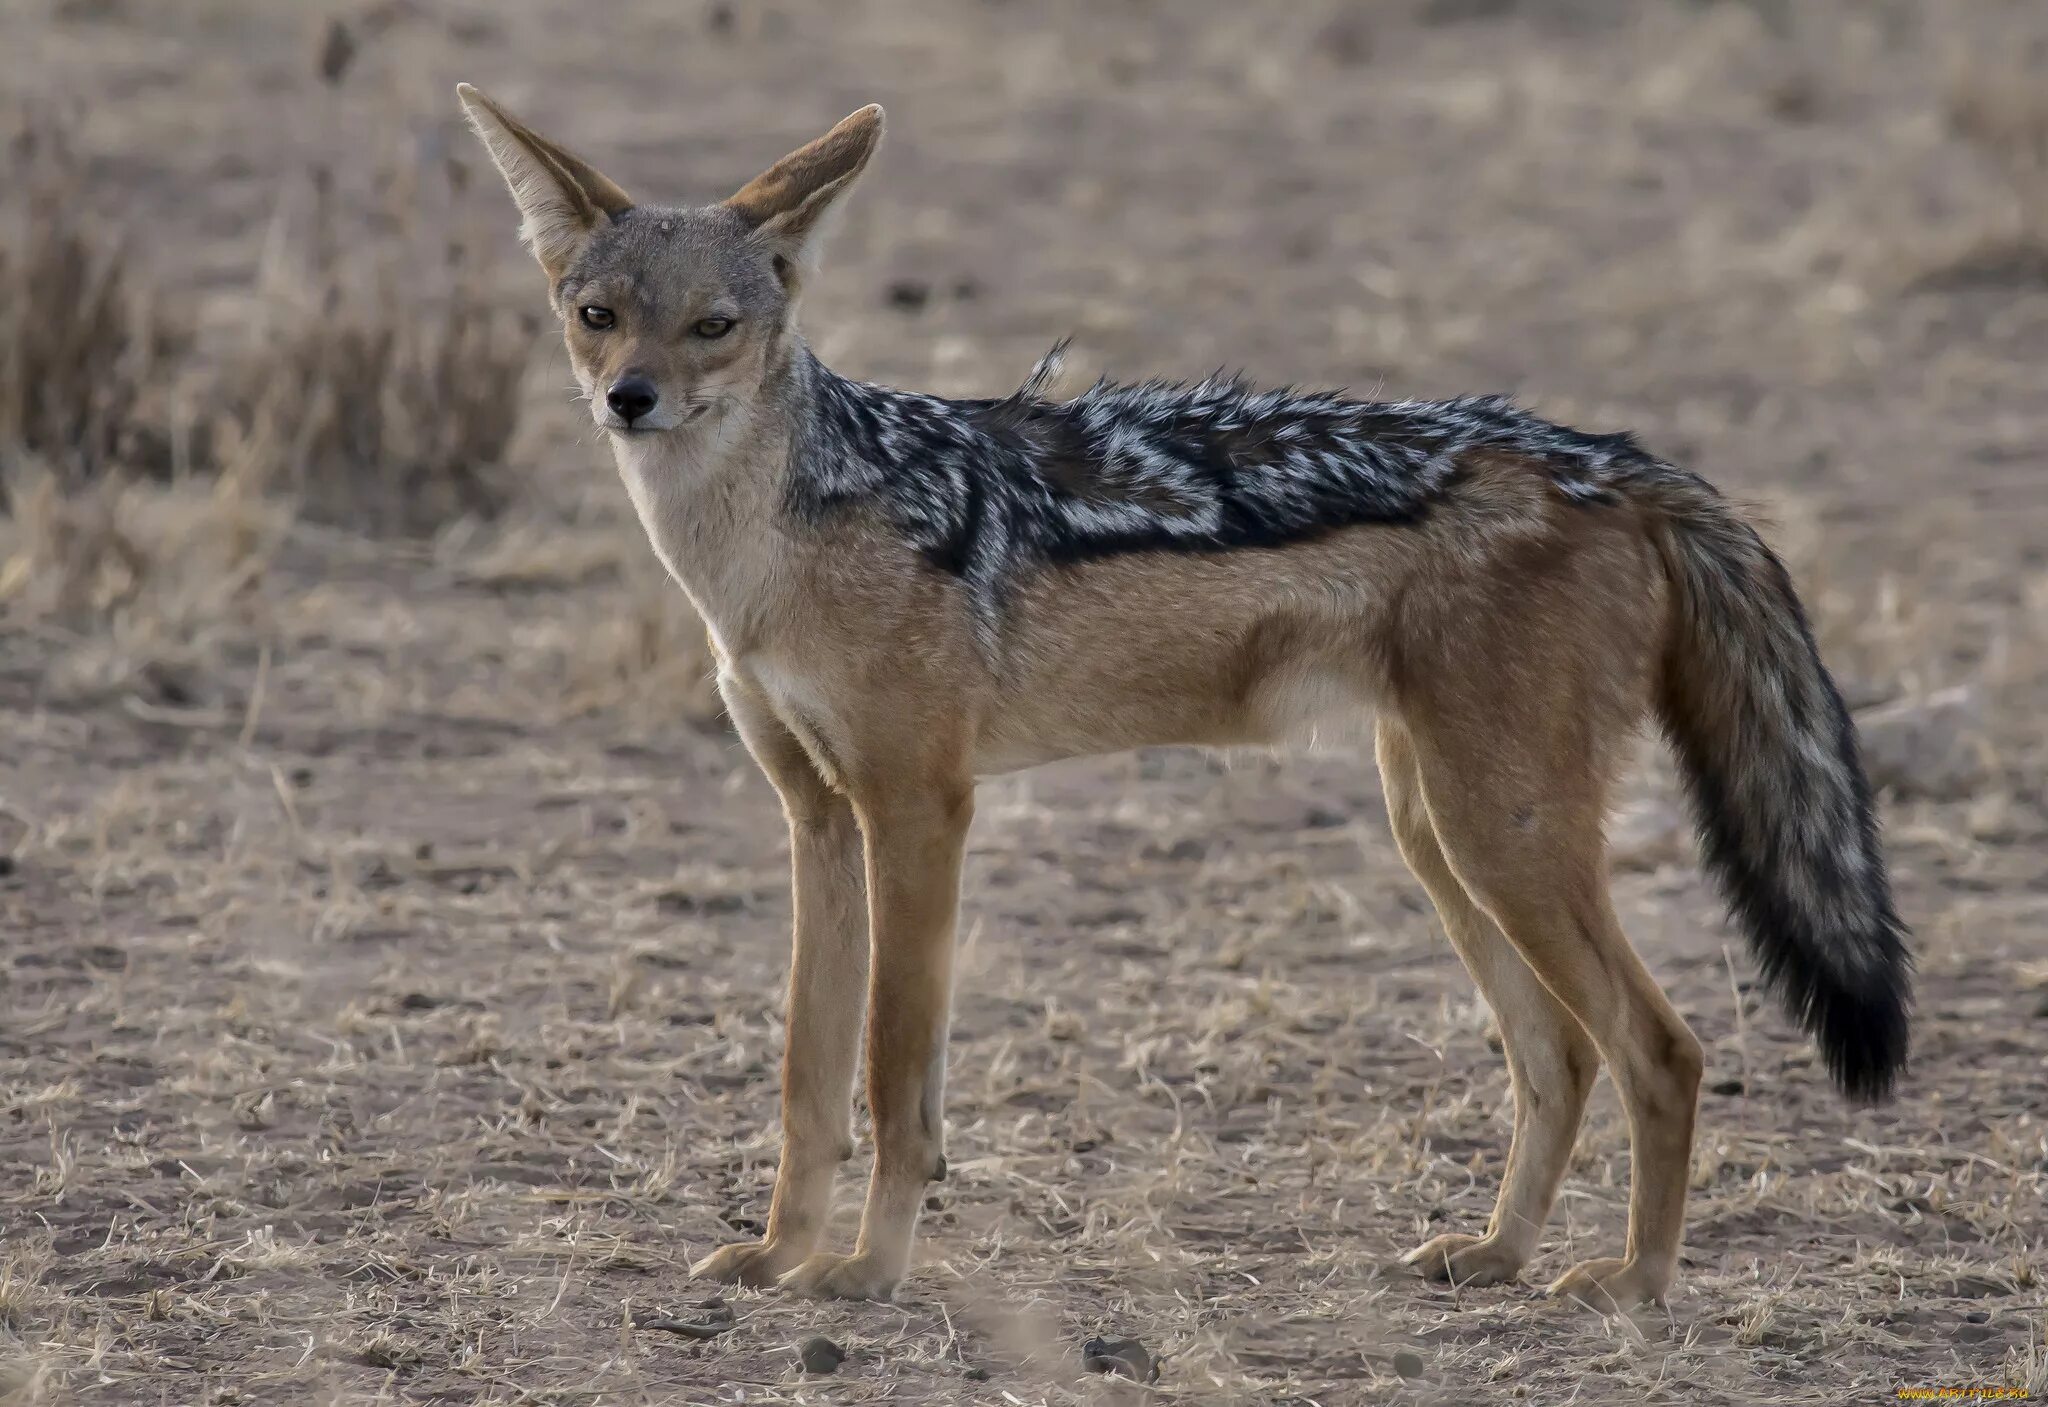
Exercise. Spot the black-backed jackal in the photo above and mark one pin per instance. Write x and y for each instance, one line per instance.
(906, 593)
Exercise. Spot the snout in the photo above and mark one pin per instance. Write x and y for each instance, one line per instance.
(634, 405)
(632, 398)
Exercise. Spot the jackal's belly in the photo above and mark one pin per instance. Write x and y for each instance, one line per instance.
(1111, 701)
(1247, 648)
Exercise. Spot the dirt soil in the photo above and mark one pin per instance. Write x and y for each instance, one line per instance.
(391, 950)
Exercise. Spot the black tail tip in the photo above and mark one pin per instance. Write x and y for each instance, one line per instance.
(1864, 1038)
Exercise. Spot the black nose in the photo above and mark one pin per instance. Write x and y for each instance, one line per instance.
(631, 397)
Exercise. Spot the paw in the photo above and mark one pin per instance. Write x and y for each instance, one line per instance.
(828, 1276)
(758, 1264)
(1466, 1260)
(1609, 1286)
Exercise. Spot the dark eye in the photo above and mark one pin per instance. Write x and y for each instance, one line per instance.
(711, 327)
(596, 318)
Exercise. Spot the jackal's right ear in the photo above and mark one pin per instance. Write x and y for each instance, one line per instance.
(788, 203)
(561, 197)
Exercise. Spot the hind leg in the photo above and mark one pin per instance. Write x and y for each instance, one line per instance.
(1517, 808)
(1551, 1060)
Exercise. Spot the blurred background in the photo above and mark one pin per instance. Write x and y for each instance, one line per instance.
(390, 979)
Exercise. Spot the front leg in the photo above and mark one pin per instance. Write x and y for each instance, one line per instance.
(914, 844)
(828, 969)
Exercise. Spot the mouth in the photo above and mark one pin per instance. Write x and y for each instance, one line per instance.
(689, 415)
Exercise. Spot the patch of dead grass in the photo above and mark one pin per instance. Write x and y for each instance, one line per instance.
(84, 343)
(142, 582)
(376, 388)
(380, 384)
(645, 660)
(27, 1378)
(1998, 106)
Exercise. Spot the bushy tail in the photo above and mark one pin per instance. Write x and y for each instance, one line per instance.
(1778, 792)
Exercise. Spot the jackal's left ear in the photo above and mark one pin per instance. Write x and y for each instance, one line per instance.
(561, 197)
(789, 202)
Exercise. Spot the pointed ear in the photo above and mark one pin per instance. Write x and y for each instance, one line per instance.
(561, 197)
(788, 203)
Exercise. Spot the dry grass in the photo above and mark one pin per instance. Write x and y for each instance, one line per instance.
(646, 661)
(2001, 108)
(83, 348)
(633, 650)
(380, 386)
(377, 386)
(135, 589)
(95, 554)
(374, 385)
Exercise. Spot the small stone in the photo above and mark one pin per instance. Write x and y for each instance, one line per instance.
(1346, 40)
(1408, 1363)
(176, 685)
(909, 294)
(1977, 1316)
(820, 1355)
(337, 51)
(713, 1318)
(1796, 98)
(1932, 747)
(1125, 1358)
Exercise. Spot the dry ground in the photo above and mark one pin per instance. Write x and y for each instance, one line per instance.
(389, 988)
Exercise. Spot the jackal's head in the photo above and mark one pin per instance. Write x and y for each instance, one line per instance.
(672, 315)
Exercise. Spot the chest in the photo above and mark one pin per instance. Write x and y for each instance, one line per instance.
(712, 529)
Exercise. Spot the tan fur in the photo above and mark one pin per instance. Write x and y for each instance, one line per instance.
(853, 677)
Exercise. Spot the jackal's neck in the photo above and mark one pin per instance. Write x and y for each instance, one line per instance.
(708, 497)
